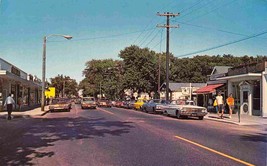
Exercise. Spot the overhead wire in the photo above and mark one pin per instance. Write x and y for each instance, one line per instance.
(151, 22)
(220, 6)
(222, 45)
(103, 37)
(215, 29)
(194, 10)
(153, 38)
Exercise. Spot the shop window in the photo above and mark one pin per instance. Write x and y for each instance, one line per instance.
(256, 96)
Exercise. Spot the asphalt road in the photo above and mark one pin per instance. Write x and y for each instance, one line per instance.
(116, 136)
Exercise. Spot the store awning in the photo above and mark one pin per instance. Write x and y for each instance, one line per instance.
(208, 89)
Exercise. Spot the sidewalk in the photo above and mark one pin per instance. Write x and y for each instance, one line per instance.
(25, 114)
(244, 119)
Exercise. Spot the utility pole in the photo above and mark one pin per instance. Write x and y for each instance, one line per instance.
(167, 26)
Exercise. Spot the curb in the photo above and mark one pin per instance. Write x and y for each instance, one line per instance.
(25, 116)
(219, 120)
(235, 123)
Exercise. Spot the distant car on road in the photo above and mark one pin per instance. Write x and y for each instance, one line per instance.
(154, 105)
(88, 102)
(118, 104)
(129, 104)
(60, 104)
(139, 103)
(184, 108)
(104, 103)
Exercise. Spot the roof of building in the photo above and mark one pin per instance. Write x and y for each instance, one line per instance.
(220, 69)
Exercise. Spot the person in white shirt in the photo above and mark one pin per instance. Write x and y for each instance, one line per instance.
(9, 103)
(219, 100)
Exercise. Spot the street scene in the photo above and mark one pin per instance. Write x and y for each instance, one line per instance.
(119, 136)
(133, 83)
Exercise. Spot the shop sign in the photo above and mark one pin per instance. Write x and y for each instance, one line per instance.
(30, 77)
(15, 71)
(245, 87)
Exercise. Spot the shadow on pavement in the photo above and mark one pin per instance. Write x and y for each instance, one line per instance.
(33, 142)
(260, 137)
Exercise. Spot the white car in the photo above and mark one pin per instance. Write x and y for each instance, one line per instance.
(184, 108)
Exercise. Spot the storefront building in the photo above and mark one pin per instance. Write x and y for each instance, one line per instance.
(248, 84)
(25, 88)
(206, 95)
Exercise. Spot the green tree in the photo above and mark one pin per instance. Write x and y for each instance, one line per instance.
(64, 85)
(140, 69)
(102, 77)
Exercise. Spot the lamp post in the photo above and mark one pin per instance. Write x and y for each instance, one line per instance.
(44, 65)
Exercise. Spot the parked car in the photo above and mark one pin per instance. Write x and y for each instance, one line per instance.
(184, 108)
(130, 104)
(138, 104)
(118, 104)
(60, 104)
(88, 102)
(104, 103)
(154, 105)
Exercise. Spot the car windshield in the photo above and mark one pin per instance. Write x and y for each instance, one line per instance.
(190, 102)
(156, 101)
(58, 101)
(178, 102)
(88, 99)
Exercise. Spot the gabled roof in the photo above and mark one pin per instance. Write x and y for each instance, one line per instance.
(175, 86)
(220, 69)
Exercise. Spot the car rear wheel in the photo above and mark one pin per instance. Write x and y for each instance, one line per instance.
(154, 110)
(200, 117)
(178, 114)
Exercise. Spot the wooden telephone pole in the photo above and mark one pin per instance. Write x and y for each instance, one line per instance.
(167, 26)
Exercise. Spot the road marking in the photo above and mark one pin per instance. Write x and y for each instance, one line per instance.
(215, 151)
(105, 111)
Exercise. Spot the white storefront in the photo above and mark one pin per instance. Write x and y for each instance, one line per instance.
(248, 84)
(24, 87)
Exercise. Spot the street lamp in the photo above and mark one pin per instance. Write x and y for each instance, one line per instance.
(43, 67)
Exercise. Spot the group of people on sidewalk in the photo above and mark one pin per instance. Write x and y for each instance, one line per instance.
(220, 106)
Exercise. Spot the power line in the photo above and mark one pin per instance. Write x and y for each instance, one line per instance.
(150, 23)
(146, 37)
(222, 45)
(219, 30)
(104, 37)
(153, 38)
(190, 7)
(225, 4)
(202, 6)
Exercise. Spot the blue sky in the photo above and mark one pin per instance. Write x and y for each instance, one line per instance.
(102, 28)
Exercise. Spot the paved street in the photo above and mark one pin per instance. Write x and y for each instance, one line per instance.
(116, 136)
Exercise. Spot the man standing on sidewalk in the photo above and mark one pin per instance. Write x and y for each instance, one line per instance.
(219, 100)
(9, 103)
(231, 103)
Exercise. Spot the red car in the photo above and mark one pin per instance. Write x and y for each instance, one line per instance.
(118, 104)
(104, 103)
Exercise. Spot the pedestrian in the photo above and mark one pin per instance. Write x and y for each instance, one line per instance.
(47, 100)
(19, 103)
(219, 100)
(231, 104)
(9, 103)
(215, 106)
